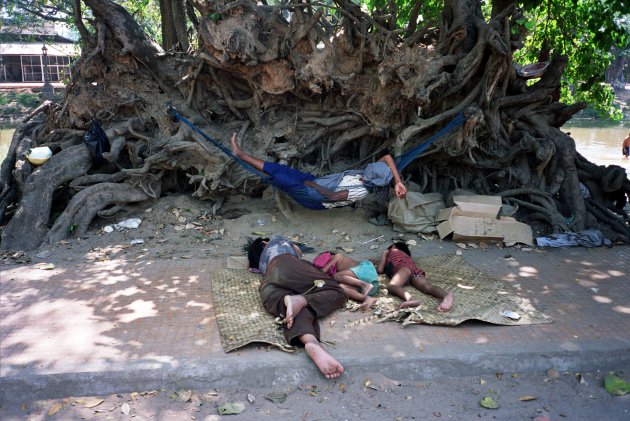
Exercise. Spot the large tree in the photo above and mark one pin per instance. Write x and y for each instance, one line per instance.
(306, 83)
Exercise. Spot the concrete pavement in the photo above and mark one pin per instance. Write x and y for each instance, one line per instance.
(121, 326)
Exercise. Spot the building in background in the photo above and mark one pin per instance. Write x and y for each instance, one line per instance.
(30, 58)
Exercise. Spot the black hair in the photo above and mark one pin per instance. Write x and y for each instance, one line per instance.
(254, 250)
(402, 247)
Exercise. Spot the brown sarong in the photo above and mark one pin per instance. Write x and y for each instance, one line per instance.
(289, 275)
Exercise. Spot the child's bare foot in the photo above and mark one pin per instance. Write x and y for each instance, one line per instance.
(410, 303)
(367, 303)
(366, 288)
(446, 303)
(326, 363)
(294, 304)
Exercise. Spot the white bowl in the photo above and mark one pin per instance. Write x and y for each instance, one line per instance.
(38, 156)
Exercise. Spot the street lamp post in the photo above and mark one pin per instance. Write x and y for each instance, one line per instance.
(47, 89)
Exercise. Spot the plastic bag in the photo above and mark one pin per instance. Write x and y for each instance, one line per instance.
(97, 142)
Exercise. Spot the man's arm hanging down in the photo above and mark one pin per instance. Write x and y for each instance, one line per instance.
(399, 187)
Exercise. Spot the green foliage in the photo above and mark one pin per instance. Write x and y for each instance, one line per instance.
(7, 110)
(215, 17)
(523, 23)
(585, 31)
(34, 13)
(147, 14)
(615, 385)
(15, 103)
(70, 229)
(35, 16)
(27, 100)
(429, 10)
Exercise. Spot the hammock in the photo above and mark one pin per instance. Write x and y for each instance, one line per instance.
(305, 196)
(308, 197)
(405, 159)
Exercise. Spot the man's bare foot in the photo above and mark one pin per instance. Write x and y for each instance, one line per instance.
(446, 303)
(366, 288)
(235, 148)
(294, 304)
(327, 364)
(410, 303)
(367, 303)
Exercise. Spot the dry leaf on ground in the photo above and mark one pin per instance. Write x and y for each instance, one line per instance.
(54, 409)
(92, 402)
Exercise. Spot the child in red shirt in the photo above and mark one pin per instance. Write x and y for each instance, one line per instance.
(397, 264)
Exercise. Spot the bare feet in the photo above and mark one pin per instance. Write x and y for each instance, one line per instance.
(326, 363)
(446, 303)
(294, 304)
(235, 148)
(367, 303)
(410, 303)
(366, 288)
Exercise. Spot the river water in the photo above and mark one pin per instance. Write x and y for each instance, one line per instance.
(599, 142)
(5, 141)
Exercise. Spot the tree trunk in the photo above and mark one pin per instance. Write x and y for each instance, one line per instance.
(29, 225)
(318, 90)
(179, 21)
(169, 35)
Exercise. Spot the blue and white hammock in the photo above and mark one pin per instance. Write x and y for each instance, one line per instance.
(308, 197)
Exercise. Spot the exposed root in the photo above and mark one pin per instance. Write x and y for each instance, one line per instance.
(86, 204)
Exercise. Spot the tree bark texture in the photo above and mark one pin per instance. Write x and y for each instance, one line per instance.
(321, 88)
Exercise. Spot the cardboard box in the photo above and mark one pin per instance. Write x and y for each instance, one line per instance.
(470, 228)
(515, 232)
(474, 219)
(473, 229)
(478, 205)
(446, 213)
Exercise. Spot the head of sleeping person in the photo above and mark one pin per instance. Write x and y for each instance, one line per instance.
(389, 266)
(401, 246)
(322, 259)
(254, 250)
(377, 174)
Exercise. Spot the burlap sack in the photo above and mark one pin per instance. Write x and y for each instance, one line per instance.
(416, 213)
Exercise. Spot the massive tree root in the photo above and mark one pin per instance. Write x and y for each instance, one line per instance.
(318, 87)
(30, 222)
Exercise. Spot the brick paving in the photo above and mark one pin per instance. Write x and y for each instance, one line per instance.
(119, 326)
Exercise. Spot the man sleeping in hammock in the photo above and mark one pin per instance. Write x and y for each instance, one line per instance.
(335, 190)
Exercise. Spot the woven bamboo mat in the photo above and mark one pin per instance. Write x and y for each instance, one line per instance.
(241, 317)
(243, 320)
(477, 297)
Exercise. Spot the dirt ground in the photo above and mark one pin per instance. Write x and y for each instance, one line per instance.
(544, 396)
(180, 227)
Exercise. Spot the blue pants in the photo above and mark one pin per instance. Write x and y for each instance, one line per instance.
(291, 181)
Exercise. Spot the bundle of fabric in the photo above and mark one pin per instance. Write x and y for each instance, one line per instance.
(585, 238)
